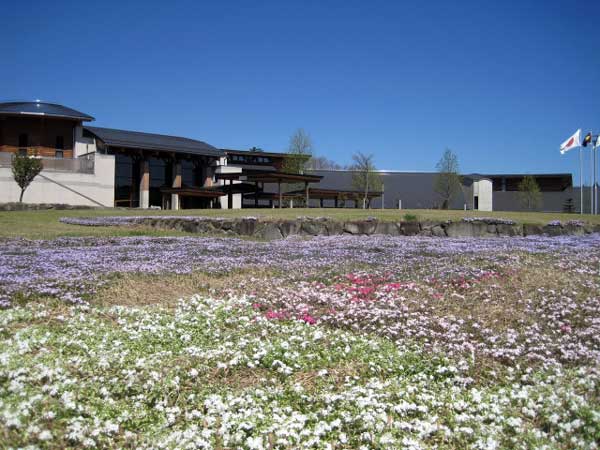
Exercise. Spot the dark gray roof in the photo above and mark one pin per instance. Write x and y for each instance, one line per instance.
(149, 141)
(42, 109)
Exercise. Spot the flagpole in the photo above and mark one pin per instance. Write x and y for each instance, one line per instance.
(596, 174)
(592, 178)
(580, 180)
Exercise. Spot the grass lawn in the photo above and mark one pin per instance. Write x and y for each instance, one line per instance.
(45, 224)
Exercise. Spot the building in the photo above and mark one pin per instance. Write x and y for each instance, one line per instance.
(92, 166)
(482, 192)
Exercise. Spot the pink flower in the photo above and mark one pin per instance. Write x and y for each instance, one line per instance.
(308, 319)
(274, 315)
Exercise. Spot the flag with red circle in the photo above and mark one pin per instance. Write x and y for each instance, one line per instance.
(572, 142)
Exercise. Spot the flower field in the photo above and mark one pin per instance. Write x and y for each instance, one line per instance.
(337, 342)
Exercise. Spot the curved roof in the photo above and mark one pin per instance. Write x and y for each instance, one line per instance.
(42, 109)
(150, 141)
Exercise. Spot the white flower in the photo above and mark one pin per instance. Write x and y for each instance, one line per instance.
(45, 435)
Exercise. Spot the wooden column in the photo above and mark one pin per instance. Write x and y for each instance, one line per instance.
(256, 194)
(321, 202)
(336, 202)
(207, 176)
(306, 194)
(144, 183)
(279, 193)
(230, 195)
(176, 184)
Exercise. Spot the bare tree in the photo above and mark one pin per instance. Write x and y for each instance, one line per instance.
(299, 151)
(365, 177)
(322, 163)
(447, 182)
(25, 169)
(530, 195)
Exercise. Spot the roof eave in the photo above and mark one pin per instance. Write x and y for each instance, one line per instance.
(54, 116)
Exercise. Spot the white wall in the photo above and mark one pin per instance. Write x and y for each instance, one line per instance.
(83, 145)
(483, 189)
(66, 187)
(236, 198)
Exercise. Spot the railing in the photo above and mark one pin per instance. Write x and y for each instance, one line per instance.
(83, 164)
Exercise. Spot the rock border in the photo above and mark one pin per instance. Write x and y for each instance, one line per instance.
(270, 229)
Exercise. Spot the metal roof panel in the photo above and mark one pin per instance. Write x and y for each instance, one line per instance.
(42, 109)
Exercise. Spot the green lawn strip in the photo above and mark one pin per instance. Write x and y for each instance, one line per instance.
(46, 225)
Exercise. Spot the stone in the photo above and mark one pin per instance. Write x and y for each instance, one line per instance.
(289, 227)
(361, 227)
(509, 230)
(471, 229)
(314, 228)
(467, 229)
(428, 225)
(572, 229)
(334, 227)
(491, 229)
(438, 231)
(225, 224)
(351, 227)
(269, 231)
(388, 228)
(410, 228)
(245, 227)
(553, 230)
(530, 229)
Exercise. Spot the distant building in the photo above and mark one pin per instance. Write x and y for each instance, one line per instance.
(482, 192)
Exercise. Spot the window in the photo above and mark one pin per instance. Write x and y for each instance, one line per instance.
(60, 146)
(23, 144)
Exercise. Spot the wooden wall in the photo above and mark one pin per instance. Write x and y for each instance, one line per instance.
(42, 133)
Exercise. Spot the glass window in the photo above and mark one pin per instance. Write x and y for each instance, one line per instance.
(60, 143)
(58, 154)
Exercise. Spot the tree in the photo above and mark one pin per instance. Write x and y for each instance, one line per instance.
(299, 152)
(322, 163)
(447, 182)
(365, 177)
(568, 206)
(25, 169)
(530, 195)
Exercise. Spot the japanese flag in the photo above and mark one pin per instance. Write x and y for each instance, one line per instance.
(572, 142)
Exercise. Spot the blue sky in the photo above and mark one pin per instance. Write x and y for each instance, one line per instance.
(500, 83)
